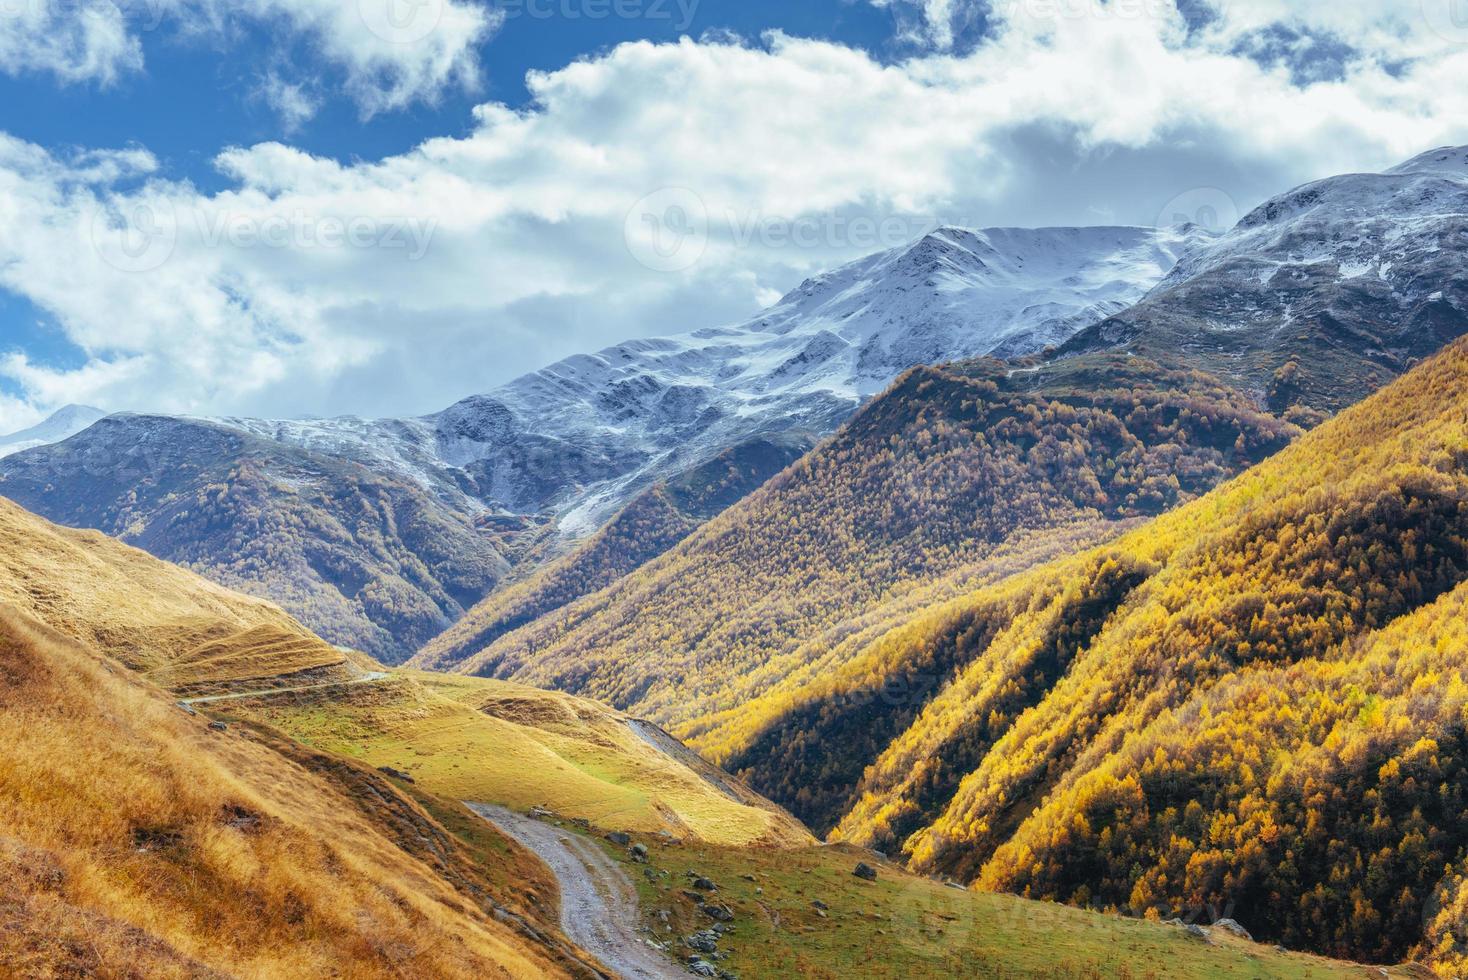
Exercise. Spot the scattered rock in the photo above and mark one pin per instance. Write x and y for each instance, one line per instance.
(541, 813)
(865, 872)
(218, 726)
(1229, 925)
(397, 774)
(820, 906)
(706, 942)
(1196, 931)
(719, 913)
(692, 896)
(704, 885)
(749, 877)
(701, 968)
(187, 709)
(639, 852)
(241, 819)
(619, 838)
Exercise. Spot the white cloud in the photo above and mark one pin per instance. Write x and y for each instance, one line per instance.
(391, 52)
(298, 289)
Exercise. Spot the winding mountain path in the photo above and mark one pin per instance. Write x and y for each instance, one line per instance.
(369, 678)
(598, 902)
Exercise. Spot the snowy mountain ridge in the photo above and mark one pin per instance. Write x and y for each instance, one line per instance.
(580, 437)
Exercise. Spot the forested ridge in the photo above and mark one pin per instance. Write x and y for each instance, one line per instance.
(951, 471)
(655, 521)
(1271, 720)
(1252, 702)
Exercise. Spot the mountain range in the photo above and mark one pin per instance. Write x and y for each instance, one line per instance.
(987, 456)
(379, 534)
(1121, 569)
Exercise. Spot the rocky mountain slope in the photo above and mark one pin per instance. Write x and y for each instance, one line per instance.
(1321, 295)
(371, 560)
(953, 476)
(582, 437)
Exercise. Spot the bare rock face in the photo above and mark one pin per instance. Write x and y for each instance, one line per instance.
(1321, 295)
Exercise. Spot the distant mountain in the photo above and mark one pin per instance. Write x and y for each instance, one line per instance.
(1278, 317)
(583, 437)
(953, 476)
(1321, 295)
(379, 534)
(62, 425)
(369, 560)
(658, 519)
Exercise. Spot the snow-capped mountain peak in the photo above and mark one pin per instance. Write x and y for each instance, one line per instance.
(581, 436)
(61, 425)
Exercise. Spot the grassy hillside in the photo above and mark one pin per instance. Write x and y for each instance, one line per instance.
(653, 523)
(955, 476)
(138, 842)
(366, 560)
(1253, 701)
(151, 616)
(903, 926)
(494, 742)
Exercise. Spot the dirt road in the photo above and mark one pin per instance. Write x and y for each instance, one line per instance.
(598, 902)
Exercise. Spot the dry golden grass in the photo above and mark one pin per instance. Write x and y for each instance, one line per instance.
(148, 614)
(135, 841)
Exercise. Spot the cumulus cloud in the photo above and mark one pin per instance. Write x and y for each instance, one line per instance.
(390, 52)
(667, 187)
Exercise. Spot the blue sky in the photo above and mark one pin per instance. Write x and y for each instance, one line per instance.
(334, 214)
(198, 96)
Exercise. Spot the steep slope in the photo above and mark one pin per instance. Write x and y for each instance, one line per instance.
(1253, 702)
(62, 425)
(583, 437)
(953, 476)
(368, 560)
(151, 616)
(656, 521)
(1321, 295)
(140, 840)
